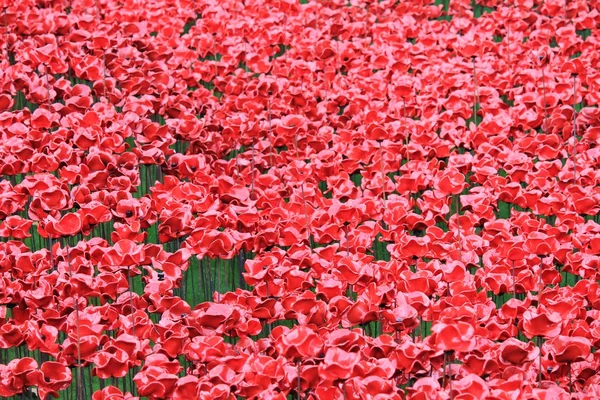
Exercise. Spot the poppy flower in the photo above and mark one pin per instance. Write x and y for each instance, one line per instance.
(403, 317)
(425, 388)
(44, 338)
(451, 182)
(574, 67)
(361, 313)
(23, 373)
(205, 349)
(541, 323)
(69, 225)
(471, 386)
(567, 349)
(111, 393)
(186, 388)
(111, 362)
(541, 244)
(215, 315)
(158, 378)
(541, 57)
(299, 342)
(15, 227)
(517, 352)
(54, 377)
(338, 364)
(291, 125)
(125, 253)
(457, 337)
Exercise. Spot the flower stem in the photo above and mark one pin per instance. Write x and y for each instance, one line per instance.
(575, 140)
(540, 361)
(475, 91)
(76, 300)
(270, 134)
(570, 379)
(545, 103)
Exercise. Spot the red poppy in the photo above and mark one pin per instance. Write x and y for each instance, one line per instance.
(456, 337)
(291, 125)
(338, 364)
(566, 349)
(541, 322)
(54, 377)
(15, 227)
(574, 67)
(111, 393)
(425, 388)
(299, 342)
(111, 362)
(43, 339)
(69, 225)
(516, 352)
(158, 378)
(402, 317)
(186, 388)
(22, 373)
(451, 182)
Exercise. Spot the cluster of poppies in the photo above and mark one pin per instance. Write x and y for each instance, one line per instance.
(325, 200)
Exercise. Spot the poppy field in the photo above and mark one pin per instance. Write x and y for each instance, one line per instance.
(314, 199)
